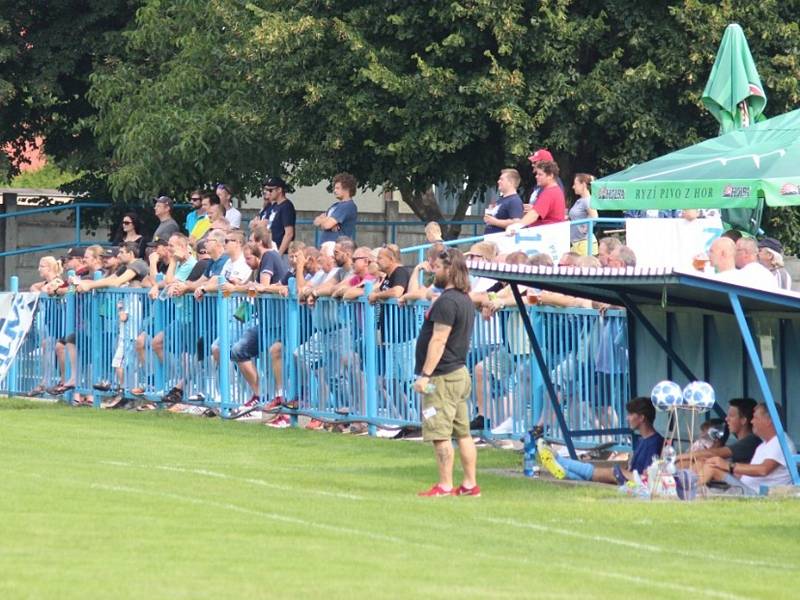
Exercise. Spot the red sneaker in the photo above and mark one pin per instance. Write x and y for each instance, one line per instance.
(280, 422)
(246, 408)
(315, 424)
(465, 491)
(273, 404)
(437, 491)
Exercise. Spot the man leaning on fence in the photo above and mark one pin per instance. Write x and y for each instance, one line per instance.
(442, 376)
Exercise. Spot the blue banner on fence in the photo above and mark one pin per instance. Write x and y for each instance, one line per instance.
(16, 316)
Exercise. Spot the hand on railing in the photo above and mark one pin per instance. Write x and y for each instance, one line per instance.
(176, 289)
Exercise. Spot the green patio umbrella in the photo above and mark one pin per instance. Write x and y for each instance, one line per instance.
(734, 170)
(733, 93)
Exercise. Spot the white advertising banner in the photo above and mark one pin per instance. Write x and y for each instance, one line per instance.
(670, 242)
(16, 316)
(552, 239)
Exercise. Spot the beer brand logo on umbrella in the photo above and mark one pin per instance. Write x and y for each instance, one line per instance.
(736, 191)
(790, 189)
(611, 194)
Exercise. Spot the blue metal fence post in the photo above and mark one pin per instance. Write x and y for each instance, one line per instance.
(70, 331)
(159, 323)
(371, 359)
(96, 337)
(292, 341)
(223, 335)
(761, 377)
(77, 224)
(12, 382)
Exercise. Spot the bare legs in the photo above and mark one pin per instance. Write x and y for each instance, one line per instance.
(443, 449)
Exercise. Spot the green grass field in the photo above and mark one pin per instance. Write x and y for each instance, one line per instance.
(124, 505)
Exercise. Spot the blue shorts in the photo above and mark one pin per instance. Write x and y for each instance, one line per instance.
(247, 347)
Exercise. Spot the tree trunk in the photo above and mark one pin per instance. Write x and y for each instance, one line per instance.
(423, 203)
(453, 231)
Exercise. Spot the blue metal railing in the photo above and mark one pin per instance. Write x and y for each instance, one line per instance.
(394, 225)
(76, 241)
(341, 361)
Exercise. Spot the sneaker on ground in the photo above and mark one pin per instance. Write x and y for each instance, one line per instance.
(436, 491)
(280, 422)
(290, 404)
(138, 391)
(548, 460)
(505, 427)
(276, 402)
(386, 432)
(246, 408)
(315, 424)
(174, 396)
(197, 398)
(111, 402)
(465, 491)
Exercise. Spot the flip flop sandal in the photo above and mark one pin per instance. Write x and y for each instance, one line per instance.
(60, 389)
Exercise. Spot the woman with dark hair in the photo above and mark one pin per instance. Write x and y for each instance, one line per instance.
(131, 229)
(582, 209)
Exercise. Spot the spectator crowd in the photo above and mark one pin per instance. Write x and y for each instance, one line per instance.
(214, 250)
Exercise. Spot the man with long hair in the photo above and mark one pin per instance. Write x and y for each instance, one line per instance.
(442, 376)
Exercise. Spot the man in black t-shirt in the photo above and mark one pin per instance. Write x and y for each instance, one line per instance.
(443, 379)
(282, 217)
(739, 420)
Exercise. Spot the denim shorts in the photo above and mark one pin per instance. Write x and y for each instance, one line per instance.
(247, 346)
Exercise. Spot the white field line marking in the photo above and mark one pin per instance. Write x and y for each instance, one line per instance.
(252, 481)
(605, 572)
(632, 544)
(686, 589)
(260, 482)
(395, 540)
(504, 558)
(248, 511)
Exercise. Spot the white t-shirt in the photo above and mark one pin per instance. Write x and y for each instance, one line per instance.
(234, 217)
(753, 275)
(238, 269)
(770, 450)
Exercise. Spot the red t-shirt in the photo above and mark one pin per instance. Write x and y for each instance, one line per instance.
(550, 206)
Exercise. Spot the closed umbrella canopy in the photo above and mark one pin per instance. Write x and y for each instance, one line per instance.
(733, 93)
(729, 171)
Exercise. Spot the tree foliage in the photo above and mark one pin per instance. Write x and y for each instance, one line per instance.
(48, 51)
(411, 94)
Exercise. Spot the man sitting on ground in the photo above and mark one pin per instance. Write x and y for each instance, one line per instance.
(739, 420)
(767, 467)
(641, 414)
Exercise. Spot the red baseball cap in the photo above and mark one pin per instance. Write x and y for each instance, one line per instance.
(540, 154)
